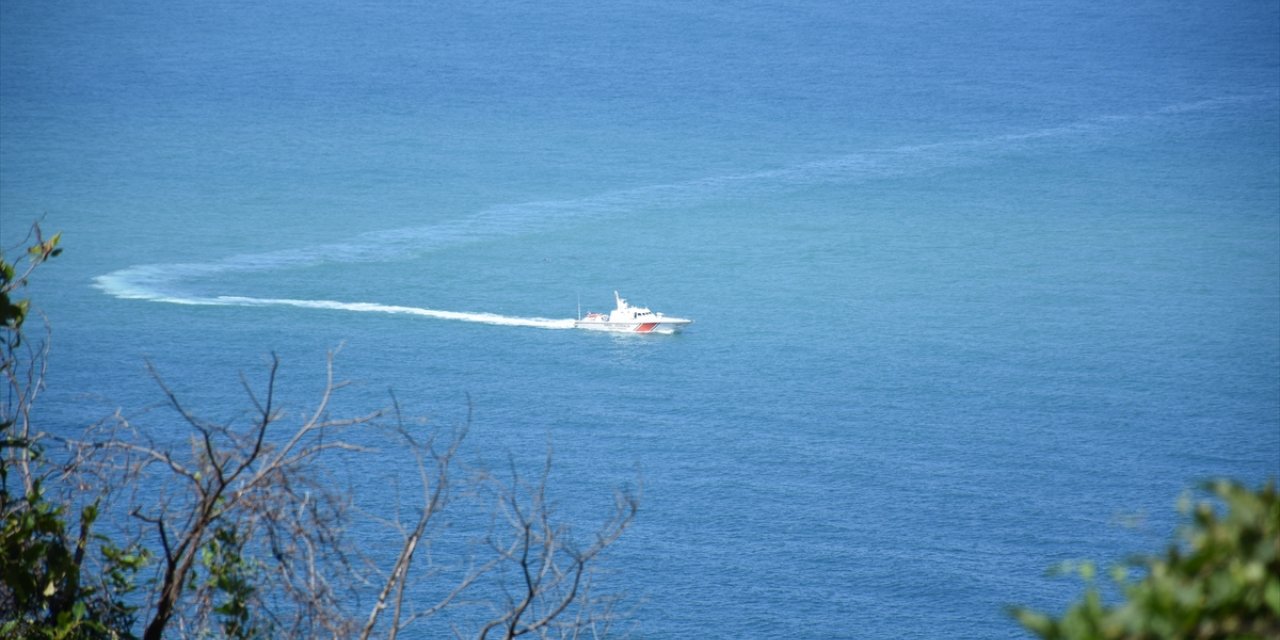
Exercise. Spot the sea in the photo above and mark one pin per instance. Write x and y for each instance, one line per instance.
(978, 287)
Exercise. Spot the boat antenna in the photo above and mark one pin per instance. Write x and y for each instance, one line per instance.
(579, 305)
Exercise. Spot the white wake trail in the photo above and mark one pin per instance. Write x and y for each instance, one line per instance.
(172, 283)
(373, 307)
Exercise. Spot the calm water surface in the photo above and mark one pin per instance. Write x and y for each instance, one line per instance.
(978, 288)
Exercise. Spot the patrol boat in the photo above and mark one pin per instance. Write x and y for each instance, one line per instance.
(628, 319)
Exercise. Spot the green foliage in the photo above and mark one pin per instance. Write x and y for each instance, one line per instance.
(42, 593)
(13, 276)
(231, 573)
(1222, 582)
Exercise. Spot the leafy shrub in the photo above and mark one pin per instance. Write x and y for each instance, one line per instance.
(1223, 581)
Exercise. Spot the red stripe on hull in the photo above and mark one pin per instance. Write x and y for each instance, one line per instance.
(646, 327)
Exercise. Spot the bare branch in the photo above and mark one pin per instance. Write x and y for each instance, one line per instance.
(264, 412)
(291, 522)
(554, 575)
(433, 497)
(190, 418)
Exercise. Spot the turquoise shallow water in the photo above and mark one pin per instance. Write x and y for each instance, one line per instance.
(978, 289)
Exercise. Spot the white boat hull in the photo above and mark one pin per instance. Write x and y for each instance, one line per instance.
(667, 326)
(628, 319)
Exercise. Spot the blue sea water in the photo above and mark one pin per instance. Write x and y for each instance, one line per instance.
(978, 287)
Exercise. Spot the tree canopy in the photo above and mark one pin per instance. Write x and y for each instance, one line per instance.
(1222, 580)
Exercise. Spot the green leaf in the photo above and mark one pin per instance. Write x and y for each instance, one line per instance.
(1087, 571)
(1036, 622)
(1219, 577)
(1119, 574)
(89, 514)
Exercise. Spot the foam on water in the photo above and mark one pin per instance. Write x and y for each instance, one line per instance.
(373, 307)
